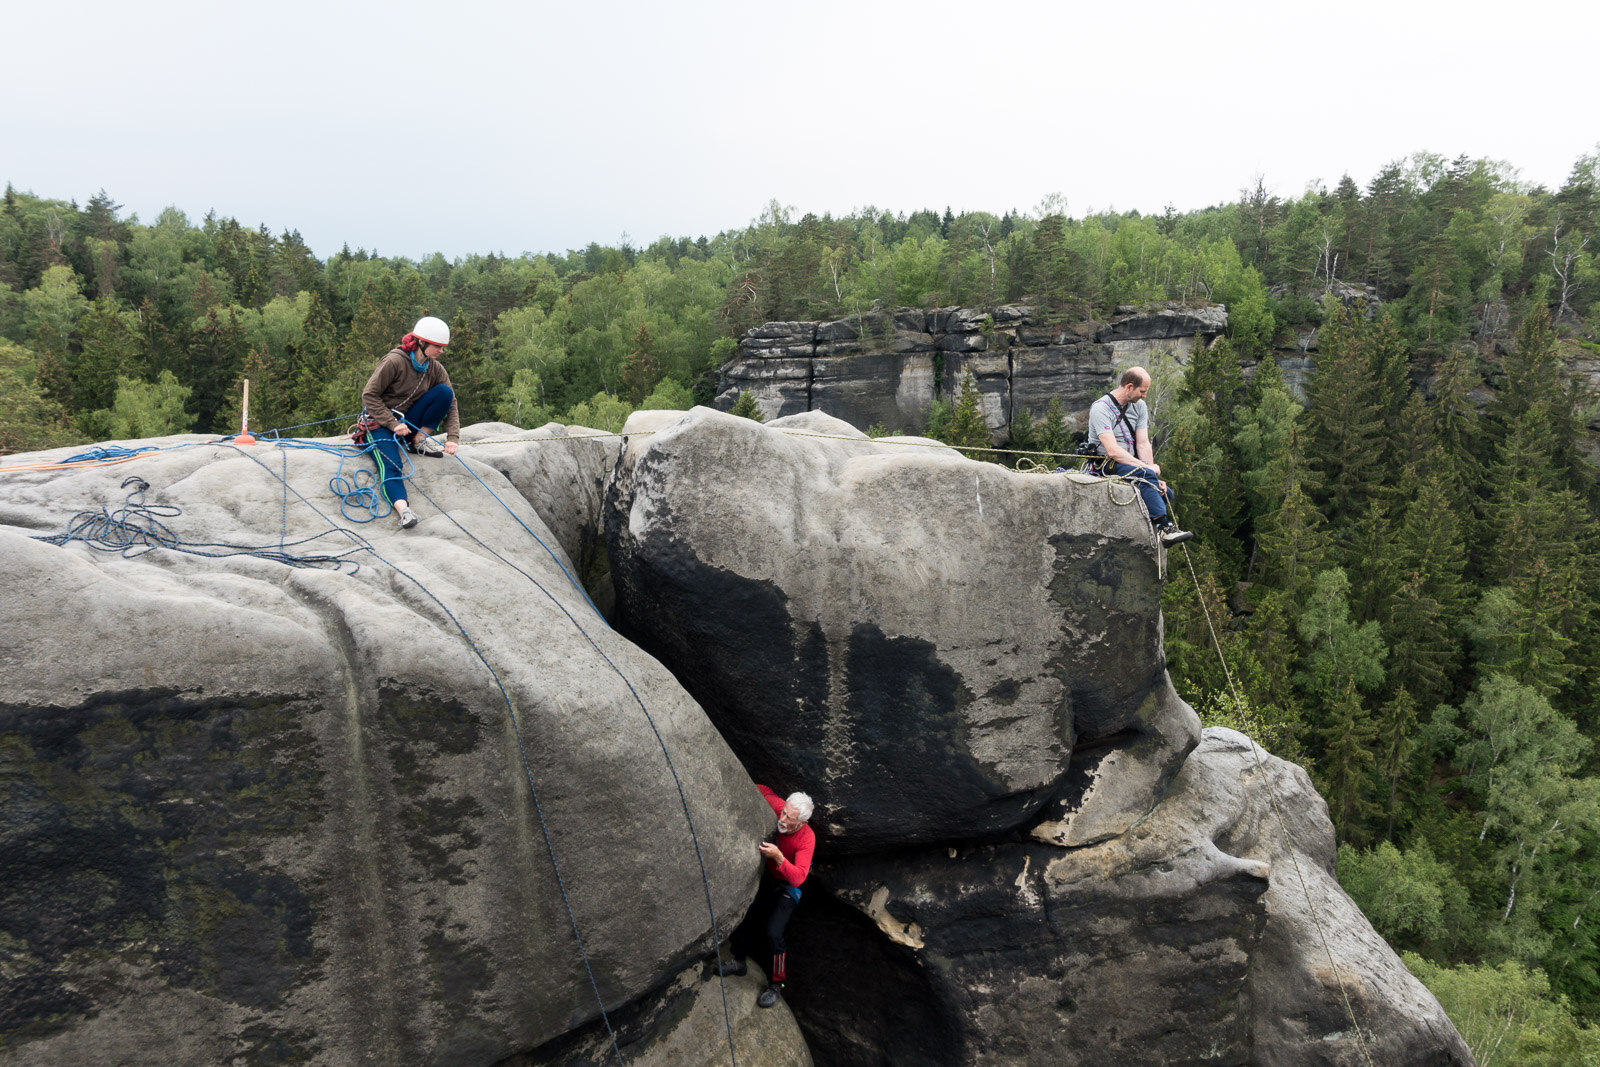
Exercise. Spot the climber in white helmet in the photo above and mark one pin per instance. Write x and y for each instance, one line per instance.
(409, 396)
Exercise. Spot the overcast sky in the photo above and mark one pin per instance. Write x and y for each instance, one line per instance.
(463, 127)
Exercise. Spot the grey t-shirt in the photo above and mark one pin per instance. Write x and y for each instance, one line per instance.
(1103, 416)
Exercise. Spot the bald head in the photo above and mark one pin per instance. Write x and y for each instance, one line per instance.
(1134, 384)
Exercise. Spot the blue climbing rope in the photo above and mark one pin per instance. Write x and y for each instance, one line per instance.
(135, 529)
(527, 767)
(102, 453)
(575, 583)
(705, 878)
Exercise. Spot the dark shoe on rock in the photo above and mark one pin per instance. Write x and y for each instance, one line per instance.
(422, 448)
(736, 969)
(768, 997)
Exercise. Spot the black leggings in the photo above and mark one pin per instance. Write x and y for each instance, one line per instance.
(763, 928)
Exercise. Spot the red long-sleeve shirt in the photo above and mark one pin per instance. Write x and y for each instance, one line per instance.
(796, 847)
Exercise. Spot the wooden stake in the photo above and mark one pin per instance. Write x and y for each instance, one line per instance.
(244, 437)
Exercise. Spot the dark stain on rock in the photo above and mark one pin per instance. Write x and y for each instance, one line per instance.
(641, 1026)
(1004, 692)
(1113, 589)
(459, 970)
(132, 826)
(860, 999)
(261, 1045)
(418, 728)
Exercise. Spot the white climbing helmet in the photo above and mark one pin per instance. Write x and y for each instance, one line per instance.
(432, 330)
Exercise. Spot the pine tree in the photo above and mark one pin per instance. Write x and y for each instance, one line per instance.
(1396, 725)
(1347, 764)
(1054, 437)
(216, 360)
(478, 390)
(316, 362)
(1346, 419)
(1424, 614)
(967, 430)
(269, 398)
(105, 345)
(1024, 437)
(747, 408)
(642, 370)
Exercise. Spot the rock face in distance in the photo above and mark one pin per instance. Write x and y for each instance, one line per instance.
(254, 813)
(887, 367)
(900, 628)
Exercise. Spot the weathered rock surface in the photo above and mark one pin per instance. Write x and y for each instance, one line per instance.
(1186, 940)
(921, 638)
(683, 1025)
(254, 813)
(1022, 860)
(888, 367)
(262, 814)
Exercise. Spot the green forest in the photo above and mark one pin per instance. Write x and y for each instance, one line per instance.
(1402, 568)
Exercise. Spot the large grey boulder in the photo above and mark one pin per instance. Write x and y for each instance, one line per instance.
(686, 1023)
(563, 478)
(920, 640)
(259, 813)
(1214, 932)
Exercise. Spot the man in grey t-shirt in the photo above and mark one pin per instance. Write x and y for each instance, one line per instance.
(1120, 422)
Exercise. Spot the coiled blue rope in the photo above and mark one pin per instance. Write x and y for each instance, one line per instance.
(102, 453)
(136, 528)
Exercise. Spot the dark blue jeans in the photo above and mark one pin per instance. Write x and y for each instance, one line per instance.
(429, 410)
(1141, 477)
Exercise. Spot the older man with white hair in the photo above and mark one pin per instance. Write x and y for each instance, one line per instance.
(788, 862)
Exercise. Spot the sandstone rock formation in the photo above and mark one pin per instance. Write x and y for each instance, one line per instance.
(259, 813)
(888, 367)
(1187, 940)
(924, 639)
(1022, 859)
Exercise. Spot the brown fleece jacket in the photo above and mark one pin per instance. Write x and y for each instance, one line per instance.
(394, 385)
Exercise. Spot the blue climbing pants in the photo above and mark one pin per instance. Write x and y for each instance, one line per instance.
(429, 410)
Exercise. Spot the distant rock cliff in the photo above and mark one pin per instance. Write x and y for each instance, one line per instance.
(888, 367)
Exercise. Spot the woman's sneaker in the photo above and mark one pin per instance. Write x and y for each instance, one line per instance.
(421, 447)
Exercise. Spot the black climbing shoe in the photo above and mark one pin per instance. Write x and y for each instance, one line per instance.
(768, 997)
(422, 448)
(736, 969)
